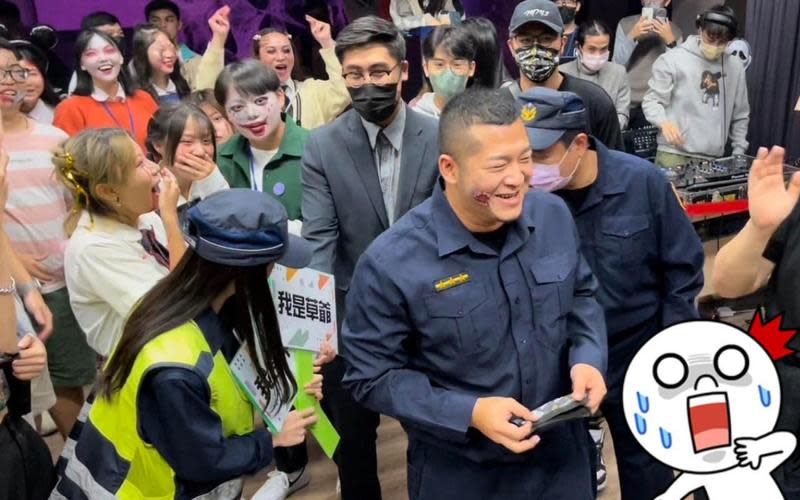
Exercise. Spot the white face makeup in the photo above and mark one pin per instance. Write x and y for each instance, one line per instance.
(101, 59)
(255, 117)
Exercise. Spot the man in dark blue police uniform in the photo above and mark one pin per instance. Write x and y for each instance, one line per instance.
(476, 307)
(638, 241)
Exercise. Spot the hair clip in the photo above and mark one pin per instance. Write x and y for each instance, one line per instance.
(72, 175)
(257, 36)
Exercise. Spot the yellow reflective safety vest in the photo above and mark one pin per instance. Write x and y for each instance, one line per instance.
(134, 468)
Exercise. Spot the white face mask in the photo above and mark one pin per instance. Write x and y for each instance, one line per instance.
(255, 117)
(593, 62)
(101, 59)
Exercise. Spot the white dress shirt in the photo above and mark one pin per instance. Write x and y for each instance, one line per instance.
(107, 272)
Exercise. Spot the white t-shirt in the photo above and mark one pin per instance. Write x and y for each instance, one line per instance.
(260, 160)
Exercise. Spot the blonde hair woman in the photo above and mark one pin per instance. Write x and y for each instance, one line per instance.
(119, 248)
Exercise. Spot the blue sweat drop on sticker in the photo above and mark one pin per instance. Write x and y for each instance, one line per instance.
(666, 438)
(765, 396)
(644, 402)
(641, 424)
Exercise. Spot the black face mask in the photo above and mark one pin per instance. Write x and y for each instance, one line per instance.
(567, 13)
(375, 103)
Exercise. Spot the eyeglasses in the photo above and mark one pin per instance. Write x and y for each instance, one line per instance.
(17, 74)
(543, 40)
(457, 66)
(377, 76)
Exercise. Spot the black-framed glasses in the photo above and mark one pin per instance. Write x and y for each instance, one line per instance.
(17, 74)
(378, 76)
(544, 40)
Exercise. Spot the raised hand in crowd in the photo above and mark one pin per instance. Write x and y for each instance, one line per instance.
(664, 29)
(294, 428)
(642, 27)
(220, 25)
(771, 201)
(32, 358)
(492, 416)
(321, 32)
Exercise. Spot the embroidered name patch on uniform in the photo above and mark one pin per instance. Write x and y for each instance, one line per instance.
(444, 284)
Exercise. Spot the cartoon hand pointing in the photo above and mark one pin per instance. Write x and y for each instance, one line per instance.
(748, 452)
(773, 448)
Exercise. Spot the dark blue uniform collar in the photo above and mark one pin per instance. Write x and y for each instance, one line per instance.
(606, 184)
(451, 235)
(218, 335)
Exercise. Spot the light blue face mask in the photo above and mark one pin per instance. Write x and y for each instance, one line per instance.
(448, 84)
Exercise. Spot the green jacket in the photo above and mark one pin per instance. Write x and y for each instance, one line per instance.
(282, 174)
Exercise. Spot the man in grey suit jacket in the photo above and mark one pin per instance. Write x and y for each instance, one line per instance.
(360, 174)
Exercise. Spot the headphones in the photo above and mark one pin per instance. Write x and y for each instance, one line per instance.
(724, 18)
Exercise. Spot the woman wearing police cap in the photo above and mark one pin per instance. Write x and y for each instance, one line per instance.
(170, 420)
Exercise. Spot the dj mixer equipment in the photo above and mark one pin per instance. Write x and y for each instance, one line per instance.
(723, 179)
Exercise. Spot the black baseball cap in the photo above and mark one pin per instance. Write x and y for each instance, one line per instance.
(241, 227)
(536, 11)
(548, 114)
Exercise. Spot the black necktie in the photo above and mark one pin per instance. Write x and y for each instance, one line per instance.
(154, 247)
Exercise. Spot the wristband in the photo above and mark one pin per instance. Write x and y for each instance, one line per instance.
(11, 288)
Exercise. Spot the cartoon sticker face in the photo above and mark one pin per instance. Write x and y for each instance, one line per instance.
(695, 388)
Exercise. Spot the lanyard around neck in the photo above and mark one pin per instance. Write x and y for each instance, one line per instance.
(116, 122)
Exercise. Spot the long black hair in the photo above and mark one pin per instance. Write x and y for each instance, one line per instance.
(182, 296)
(488, 58)
(26, 51)
(435, 7)
(143, 38)
(84, 85)
(167, 126)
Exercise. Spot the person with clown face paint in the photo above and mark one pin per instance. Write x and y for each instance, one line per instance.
(105, 95)
(265, 152)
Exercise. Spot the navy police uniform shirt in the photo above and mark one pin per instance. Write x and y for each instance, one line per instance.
(436, 319)
(641, 246)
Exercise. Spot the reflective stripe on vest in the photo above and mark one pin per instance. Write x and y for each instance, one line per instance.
(112, 460)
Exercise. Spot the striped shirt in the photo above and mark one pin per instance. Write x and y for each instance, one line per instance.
(37, 203)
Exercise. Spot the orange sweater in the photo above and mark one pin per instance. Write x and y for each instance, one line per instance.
(78, 113)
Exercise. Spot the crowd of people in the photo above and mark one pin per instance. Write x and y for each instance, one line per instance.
(493, 246)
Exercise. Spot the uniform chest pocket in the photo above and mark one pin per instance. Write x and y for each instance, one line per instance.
(625, 238)
(552, 295)
(462, 314)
